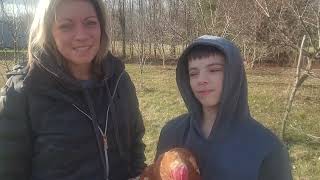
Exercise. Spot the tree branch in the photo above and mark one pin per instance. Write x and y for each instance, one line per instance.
(264, 9)
(299, 80)
(300, 130)
(300, 18)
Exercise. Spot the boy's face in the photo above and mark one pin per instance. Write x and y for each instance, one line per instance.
(206, 79)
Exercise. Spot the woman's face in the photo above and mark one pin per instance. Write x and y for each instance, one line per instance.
(76, 32)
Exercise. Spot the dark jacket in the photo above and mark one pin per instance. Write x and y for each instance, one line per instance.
(238, 147)
(49, 124)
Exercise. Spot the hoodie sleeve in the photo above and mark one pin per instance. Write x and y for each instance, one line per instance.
(276, 166)
(15, 139)
(172, 135)
(165, 140)
(161, 146)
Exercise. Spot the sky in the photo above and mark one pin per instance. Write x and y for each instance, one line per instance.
(21, 1)
(19, 6)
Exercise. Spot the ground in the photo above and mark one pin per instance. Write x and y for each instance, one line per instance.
(268, 92)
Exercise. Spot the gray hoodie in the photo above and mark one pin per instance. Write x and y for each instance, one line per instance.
(238, 147)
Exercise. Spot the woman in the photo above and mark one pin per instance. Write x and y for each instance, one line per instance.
(72, 113)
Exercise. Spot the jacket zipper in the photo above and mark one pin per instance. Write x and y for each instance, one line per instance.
(96, 126)
(105, 162)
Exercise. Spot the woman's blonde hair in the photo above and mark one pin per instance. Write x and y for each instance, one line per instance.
(41, 40)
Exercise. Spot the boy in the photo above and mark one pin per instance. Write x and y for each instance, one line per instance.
(228, 143)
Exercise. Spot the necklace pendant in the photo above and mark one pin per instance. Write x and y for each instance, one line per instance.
(105, 141)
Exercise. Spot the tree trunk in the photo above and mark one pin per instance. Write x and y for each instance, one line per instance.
(155, 47)
(122, 20)
(163, 56)
(131, 30)
(299, 80)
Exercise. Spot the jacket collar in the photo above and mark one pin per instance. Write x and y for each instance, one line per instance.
(44, 72)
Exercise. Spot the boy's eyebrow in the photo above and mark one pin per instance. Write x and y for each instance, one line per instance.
(212, 64)
(215, 64)
(193, 68)
(209, 65)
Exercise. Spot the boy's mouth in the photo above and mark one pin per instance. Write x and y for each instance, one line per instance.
(204, 92)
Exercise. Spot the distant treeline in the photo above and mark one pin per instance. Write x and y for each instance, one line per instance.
(266, 31)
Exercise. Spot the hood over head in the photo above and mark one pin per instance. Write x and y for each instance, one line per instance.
(233, 107)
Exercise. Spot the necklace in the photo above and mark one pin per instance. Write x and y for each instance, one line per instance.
(104, 133)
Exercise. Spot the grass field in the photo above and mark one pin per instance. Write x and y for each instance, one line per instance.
(9, 55)
(268, 91)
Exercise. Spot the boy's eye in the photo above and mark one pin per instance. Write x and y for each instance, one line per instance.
(192, 74)
(216, 70)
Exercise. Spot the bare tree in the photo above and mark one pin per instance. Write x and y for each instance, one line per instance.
(304, 15)
(15, 19)
(122, 20)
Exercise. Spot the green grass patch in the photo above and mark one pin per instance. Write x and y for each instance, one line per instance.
(12, 51)
(10, 55)
(268, 89)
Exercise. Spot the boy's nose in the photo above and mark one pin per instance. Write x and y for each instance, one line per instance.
(202, 79)
(201, 83)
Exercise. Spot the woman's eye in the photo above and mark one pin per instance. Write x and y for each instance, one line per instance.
(91, 23)
(65, 27)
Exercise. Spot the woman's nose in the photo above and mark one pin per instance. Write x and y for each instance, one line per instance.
(81, 33)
